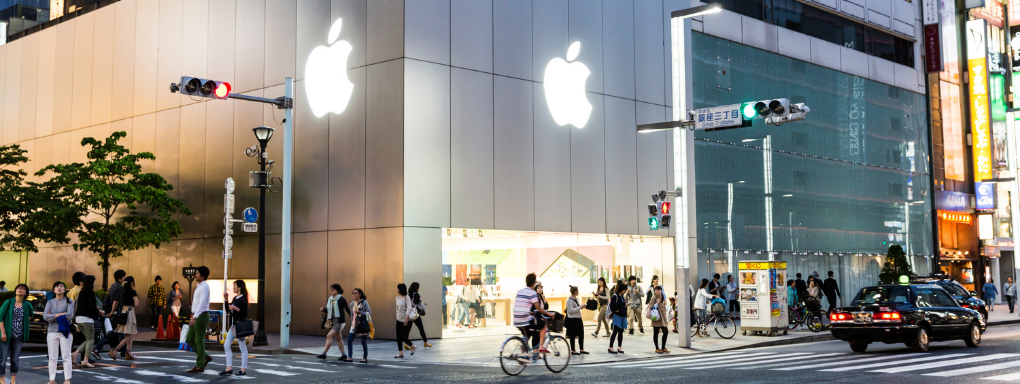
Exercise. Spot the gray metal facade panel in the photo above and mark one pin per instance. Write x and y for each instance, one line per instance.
(552, 169)
(354, 29)
(512, 33)
(384, 177)
(146, 56)
(427, 30)
(191, 183)
(649, 62)
(513, 167)
(81, 89)
(170, 55)
(618, 48)
(588, 171)
(347, 159)
(426, 144)
(313, 22)
(281, 38)
(102, 70)
(585, 25)
(311, 168)
(385, 37)
(250, 48)
(311, 286)
(471, 34)
(621, 165)
(471, 150)
(44, 87)
(218, 161)
(651, 161)
(222, 41)
(549, 38)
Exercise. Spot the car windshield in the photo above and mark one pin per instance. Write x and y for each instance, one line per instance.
(881, 295)
(956, 290)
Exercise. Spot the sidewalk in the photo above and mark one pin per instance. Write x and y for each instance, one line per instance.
(482, 350)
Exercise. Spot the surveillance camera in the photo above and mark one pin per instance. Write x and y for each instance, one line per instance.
(254, 147)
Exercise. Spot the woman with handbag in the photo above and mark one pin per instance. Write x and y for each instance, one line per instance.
(58, 331)
(238, 313)
(416, 300)
(174, 298)
(406, 313)
(15, 315)
(618, 307)
(602, 294)
(336, 311)
(128, 325)
(658, 312)
(87, 312)
(361, 326)
(574, 324)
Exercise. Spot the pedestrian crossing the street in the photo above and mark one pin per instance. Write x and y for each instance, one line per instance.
(992, 367)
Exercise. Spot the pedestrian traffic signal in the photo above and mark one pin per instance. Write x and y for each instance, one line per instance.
(664, 217)
(193, 86)
(653, 224)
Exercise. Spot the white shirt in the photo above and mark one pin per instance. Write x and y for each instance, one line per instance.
(200, 301)
(701, 299)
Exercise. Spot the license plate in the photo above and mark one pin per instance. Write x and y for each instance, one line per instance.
(862, 317)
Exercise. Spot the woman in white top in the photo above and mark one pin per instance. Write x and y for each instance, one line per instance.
(404, 308)
(702, 299)
(574, 324)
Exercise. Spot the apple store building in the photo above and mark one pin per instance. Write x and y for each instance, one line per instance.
(465, 144)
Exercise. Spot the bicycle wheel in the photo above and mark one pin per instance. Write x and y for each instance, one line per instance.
(814, 323)
(725, 327)
(559, 354)
(511, 354)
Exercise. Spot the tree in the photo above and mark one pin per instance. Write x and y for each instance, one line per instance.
(27, 214)
(111, 188)
(896, 265)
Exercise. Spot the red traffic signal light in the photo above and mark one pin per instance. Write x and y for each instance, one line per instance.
(222, 90)
(193, 86)
(665, 207)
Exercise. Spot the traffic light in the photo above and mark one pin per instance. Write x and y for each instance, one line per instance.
(659, 213)
(775, 111)
(664, 214)
(193, 86)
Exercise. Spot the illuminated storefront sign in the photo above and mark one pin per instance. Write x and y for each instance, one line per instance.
(979, 103)
(955, 217)
(985, 195)
(952, 201)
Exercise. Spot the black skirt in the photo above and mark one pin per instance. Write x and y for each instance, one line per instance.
(575, 326)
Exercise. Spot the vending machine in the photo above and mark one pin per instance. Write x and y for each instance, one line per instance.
(762, 291)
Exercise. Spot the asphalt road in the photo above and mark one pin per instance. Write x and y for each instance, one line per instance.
(997, 360)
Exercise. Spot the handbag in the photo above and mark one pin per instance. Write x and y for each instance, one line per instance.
(414, 310)
(361, 324)
(322, 323)
(420, 306)
(591, 304)
(119, 318)
(244, 328)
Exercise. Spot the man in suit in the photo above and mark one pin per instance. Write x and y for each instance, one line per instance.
(801, 287)
(831, 290)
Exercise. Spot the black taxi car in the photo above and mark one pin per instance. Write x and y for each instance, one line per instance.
(914, 314)
(965, 298)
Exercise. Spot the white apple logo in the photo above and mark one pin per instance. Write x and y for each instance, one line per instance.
(564, 89)
(326, 82)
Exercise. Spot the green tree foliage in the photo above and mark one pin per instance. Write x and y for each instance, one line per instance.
(107, 195)
(27, 214)
(896, 265)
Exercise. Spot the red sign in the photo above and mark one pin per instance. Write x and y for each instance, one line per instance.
(1014, 12)
(932, 49)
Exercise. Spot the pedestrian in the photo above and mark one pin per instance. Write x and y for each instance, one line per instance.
(15, 315)
(446, 314)
(1009, 293)
(470, 306)
(174, 298)
(814, 290)
(618, 307)
(416, 301)
(831, 289)
(113, 301)
(3, 286)
(199, 320)
(651, 289)
(76, 279)
(791, 295)
(573, 322)
(658, 310)
(87, 312)
(702, 299)
(801, 287)
(361, 324)
(130, 326)
(404, 309)
(529, 316)
(714, 286)
(337, 309)
(460, 308)
(990, 292)
(602, 295)
(633, 297)
(157, 301)
(57, 315)
(238, 312)
(731, 296)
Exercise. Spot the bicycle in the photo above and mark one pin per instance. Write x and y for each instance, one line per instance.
(723, 324)
(515, 355)
(800, 315)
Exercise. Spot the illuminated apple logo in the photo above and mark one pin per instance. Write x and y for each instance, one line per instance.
(326, 82)
(564, 89)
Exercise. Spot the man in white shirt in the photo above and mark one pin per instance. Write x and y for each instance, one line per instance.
(199, 320)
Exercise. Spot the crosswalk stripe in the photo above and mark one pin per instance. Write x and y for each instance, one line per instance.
(670, 359)
(715, 359)
(714, 364)
(842, 362)
(1007, 377)
(275, 372)
(177, 378)
(842, 356)
(945, 363)
(897, 362)
(978, 369)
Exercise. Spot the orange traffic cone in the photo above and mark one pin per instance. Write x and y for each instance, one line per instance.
(159, 328)
(176, 334)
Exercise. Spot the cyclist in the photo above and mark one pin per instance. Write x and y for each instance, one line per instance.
(526, 304)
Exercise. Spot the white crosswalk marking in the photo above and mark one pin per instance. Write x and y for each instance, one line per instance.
(179, 378)
(672, 359)
(841, 357)
(842, 362)
(714, 360)
(1007, 377)
(895, 362)
(977, 369)
(711, 365)
(941, 364)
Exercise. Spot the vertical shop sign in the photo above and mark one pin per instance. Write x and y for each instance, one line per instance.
(932, 36)
(979, 103)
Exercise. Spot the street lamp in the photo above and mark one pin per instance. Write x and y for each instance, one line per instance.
(263, 135)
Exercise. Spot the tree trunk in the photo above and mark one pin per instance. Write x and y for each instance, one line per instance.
(106, 272)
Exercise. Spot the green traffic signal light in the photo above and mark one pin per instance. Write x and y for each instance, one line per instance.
(653, 224)
(748, 111)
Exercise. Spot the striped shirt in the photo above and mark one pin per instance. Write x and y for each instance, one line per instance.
(523, 304)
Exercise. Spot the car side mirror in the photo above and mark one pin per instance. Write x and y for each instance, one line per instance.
(973, 293)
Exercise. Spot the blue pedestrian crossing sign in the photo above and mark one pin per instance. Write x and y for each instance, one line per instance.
(250, 215)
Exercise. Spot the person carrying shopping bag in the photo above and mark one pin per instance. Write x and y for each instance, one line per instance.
(87, 314)
(405, 315)
(574, 324)
(361, 326)
(199, 320)
(336, 311)
(416, 300)
(15, 315)
(58, 314)
(658, 311)
(129, 328)
(238, 313)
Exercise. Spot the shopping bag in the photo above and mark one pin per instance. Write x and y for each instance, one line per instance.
(106, 325)
(183, 344)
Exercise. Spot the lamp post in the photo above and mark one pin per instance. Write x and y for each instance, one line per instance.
(263, 135)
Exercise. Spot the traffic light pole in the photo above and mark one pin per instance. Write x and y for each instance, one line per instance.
(685, 236)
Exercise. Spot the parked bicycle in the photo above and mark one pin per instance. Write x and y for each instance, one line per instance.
(515, 355)
(723, 324)
(803, 315)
